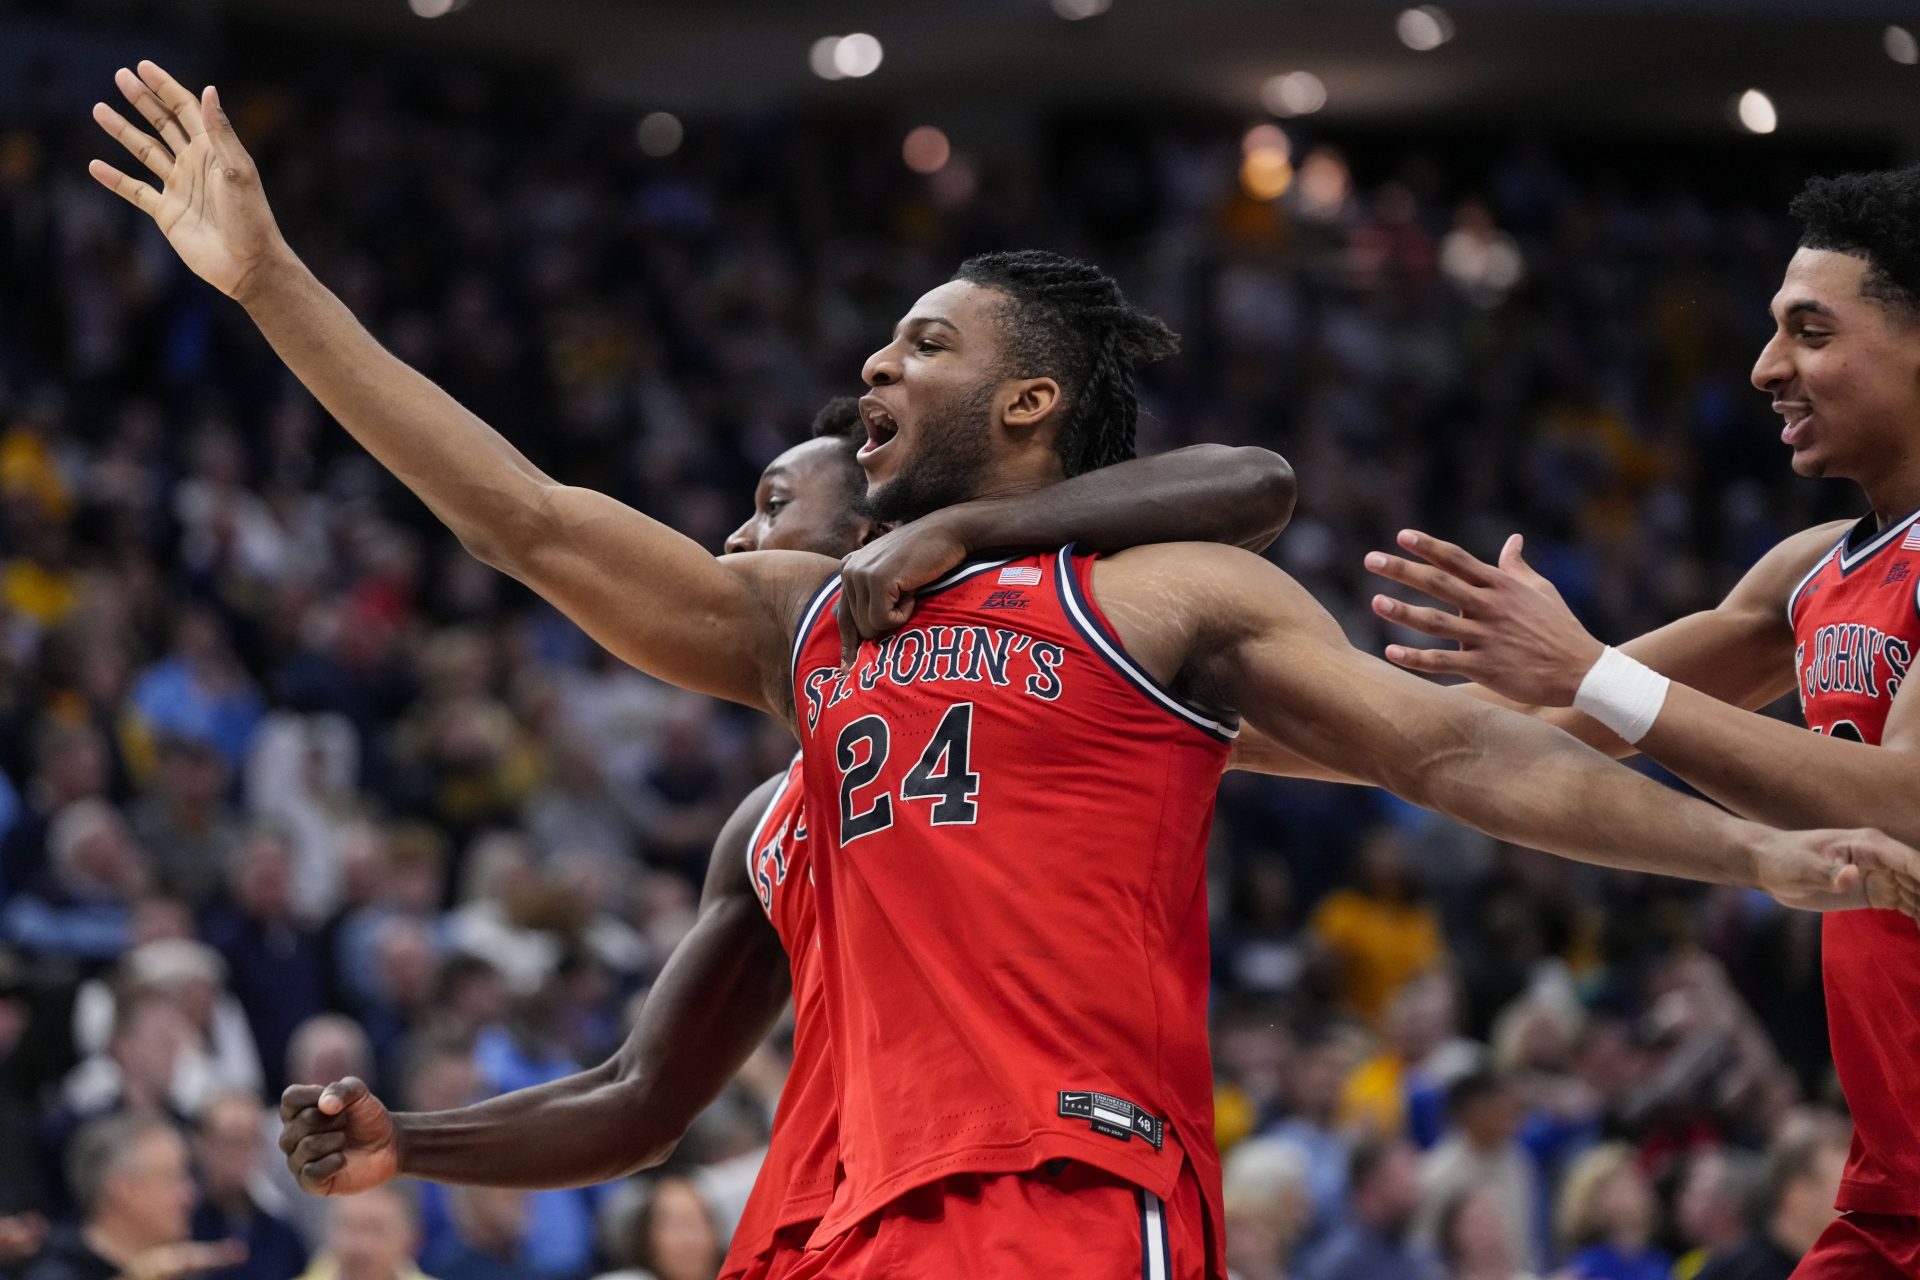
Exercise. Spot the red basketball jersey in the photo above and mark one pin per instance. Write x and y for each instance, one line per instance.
(1010, 821)
(796, 1179)
(1856, 628)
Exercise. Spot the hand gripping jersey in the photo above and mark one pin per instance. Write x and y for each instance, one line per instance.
(1009, 822)
(797, 1177)
(1856, 628)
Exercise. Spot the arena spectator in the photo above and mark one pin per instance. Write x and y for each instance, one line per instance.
(1374, 1243)
(1321, 1068)
(70, 763)
(490, 1226)
(236, 1198)
(183, 818)
(1795, 1204)
(371, 1236)
(1606, 1219)
(1482, 1151)
(129, 1178)
(667, 1234)
(1267, 1208)
(1476, 1240)
(83, 909)
(275, 965)
(1718, 1195)
(1380, 935)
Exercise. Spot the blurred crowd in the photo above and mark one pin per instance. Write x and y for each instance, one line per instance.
(292, 788)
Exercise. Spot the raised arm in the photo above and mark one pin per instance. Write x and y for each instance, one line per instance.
(1253, 640)
(1242, 497)
(712, 1004)
(649, 595)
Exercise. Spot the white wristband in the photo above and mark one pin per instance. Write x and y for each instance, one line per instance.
(1624, 695)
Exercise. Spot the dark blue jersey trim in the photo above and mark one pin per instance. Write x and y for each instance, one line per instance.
(1851, 559)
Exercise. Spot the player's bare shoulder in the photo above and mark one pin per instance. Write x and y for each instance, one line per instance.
(1768, 587)
(1173, 602)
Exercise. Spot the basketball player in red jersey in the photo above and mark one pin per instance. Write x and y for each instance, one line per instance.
(723, 987)
(1008, 804)
(1833, 612)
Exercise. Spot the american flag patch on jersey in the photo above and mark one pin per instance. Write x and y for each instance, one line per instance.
(1912, 541)
(1020, 576)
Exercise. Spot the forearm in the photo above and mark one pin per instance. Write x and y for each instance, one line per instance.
(1573, 802)
(711, 1006)
(478, 484)
(1783, 775)
(569, 1133)
(1205, 493)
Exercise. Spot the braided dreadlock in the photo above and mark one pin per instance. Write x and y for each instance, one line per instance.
(1069, 321)
(1875, 216)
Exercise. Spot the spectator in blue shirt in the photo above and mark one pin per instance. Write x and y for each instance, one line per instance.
(1383, 1193)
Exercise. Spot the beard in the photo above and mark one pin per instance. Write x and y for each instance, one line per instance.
(947, 465)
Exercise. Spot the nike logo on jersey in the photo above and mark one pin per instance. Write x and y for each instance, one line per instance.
(942, 655)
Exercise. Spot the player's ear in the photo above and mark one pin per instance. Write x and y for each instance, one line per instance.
(1030, 402)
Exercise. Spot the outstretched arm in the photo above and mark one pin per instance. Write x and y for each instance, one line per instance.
(649, 595)
(1242, 497)
(1517, 637)
(1251, 638)
(715, 1000)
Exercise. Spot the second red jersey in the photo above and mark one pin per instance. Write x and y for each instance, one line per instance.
(1856, 627)
(797, 1177)
(1009, 825)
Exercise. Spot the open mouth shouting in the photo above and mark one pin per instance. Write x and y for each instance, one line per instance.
(880, 424)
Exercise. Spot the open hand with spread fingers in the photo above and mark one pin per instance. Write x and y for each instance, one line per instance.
(208, 203)
(1515, 634)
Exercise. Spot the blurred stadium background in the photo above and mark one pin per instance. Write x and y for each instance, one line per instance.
(289, 786)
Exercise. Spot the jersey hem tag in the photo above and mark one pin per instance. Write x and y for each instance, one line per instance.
(1114, 1117)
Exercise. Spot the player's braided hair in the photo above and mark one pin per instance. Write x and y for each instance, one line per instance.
(1069, 321)
(1875, 216)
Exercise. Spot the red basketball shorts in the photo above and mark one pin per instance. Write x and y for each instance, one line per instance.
(1063, 1221)
(1864, 1246)
(778, 1261)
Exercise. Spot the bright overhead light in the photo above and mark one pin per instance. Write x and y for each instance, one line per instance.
(434, 8)
(1266, 173)
(660, 133)
(1424, 29)
(1756, 113)
(1266, 137)
(1901, 46)
(857, 55)
(926, 150)
(1297, 93)
(1074, 10)
(821, 58)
